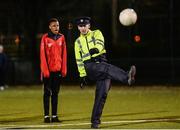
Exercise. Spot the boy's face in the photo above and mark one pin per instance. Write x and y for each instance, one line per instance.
(54, 27)
(84, 28)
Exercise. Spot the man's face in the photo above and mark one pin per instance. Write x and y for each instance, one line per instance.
(1, 49)
(54, 27)
(84, 28)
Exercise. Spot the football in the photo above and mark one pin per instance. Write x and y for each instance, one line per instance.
(128, 17)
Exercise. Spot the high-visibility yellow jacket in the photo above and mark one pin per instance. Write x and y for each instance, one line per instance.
(93, 39)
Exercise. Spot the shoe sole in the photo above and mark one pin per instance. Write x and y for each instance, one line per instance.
(133, 72)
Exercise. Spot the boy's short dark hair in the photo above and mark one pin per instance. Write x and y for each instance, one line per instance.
(52, 20)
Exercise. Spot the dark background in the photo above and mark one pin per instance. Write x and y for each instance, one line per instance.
(156, 56)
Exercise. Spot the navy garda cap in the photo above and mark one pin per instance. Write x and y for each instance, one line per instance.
(83, 20)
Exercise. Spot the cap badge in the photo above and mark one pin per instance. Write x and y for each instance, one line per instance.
(81, 20)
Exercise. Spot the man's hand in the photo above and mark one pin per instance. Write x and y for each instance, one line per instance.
(82, 82)
(93, 51)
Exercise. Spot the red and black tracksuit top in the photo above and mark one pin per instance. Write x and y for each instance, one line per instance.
(53, 54)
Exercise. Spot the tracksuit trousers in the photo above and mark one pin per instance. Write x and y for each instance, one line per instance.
(51, 90)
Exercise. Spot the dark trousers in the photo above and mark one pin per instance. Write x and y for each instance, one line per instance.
(51, 90)
(102, 73)
(102, 88)
(2, 77)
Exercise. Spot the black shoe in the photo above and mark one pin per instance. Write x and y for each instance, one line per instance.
(94, 126)
(131, 75)
(47, 119)
(55, 119)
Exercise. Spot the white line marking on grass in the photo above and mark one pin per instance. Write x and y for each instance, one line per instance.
(140, 121)
(80, 124)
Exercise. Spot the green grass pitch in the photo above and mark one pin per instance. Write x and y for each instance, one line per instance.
(150, 107)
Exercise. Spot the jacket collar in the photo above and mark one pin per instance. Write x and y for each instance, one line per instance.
(87, 34)
(54, 36)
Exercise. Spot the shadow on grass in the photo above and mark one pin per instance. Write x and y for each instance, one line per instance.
(22, 119)
(10, 114)
(78, 119)
(37, 117)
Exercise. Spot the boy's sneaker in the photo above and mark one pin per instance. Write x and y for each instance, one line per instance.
(55, 119)
(131, 75)
(2, 88)
(47, 119)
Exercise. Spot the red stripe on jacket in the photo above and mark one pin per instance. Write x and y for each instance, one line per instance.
(53, 55)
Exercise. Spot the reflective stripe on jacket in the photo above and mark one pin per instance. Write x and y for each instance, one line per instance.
(93, 39)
